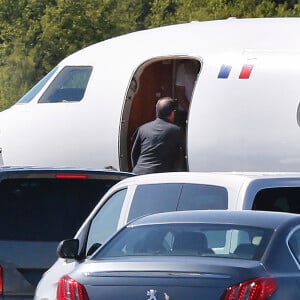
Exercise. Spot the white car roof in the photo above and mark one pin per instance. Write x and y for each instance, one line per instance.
(219, 178)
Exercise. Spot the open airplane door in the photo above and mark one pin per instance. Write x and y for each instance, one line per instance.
(151, 81)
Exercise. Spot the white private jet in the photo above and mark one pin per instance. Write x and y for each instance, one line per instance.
(244, 112)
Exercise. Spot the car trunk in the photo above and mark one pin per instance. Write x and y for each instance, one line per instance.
(177, 278)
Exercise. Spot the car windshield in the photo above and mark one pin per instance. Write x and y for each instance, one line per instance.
(215, 240)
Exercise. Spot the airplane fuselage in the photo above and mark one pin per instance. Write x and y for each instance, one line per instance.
(244, 113)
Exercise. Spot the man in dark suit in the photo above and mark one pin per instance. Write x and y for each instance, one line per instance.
(159, 144)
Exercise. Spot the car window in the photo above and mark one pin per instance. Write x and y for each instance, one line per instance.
(188, 240)
(200, 196)
(105, 222)
(155, 198)
(285, 199)
(294, 244)
(69, 85)
(45, 209)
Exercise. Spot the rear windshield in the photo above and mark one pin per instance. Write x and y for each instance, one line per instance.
(47, 209)
(155, 198)
(213, 240)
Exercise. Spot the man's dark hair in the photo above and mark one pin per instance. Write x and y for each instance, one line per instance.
(164, 107)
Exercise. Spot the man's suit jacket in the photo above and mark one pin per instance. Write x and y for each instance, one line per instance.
(158, 147)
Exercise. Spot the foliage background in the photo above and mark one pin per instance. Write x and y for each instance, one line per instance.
(36, 34)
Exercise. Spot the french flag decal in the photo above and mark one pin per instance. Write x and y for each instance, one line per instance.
(246, 71)
(224, 71)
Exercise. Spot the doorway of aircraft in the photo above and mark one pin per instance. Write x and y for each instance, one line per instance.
(152, 80)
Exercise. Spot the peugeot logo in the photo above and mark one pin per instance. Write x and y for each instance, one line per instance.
(152, 295)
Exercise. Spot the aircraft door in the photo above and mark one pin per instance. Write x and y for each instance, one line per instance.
(151, 81)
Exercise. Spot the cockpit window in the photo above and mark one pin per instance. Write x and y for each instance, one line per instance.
(68, 86)
(35, 90)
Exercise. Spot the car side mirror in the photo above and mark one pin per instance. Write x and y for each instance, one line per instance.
(68, 249)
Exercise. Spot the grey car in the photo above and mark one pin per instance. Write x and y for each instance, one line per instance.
(39, 208)
(211, 255)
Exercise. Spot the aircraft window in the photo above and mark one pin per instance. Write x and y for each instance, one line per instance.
(68, 86)
(35, 90)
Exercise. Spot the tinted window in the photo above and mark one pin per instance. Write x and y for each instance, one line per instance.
(294, 244)
(284, 199)
(188, 240)
(69, 85)
(198, 196)
(47, 209)
(154, 198)
(105, 223)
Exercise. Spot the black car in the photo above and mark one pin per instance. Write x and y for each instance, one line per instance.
(40, 207)
(215, 255)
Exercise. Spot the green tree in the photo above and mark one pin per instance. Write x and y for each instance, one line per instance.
(73, 24)
(20, 27)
